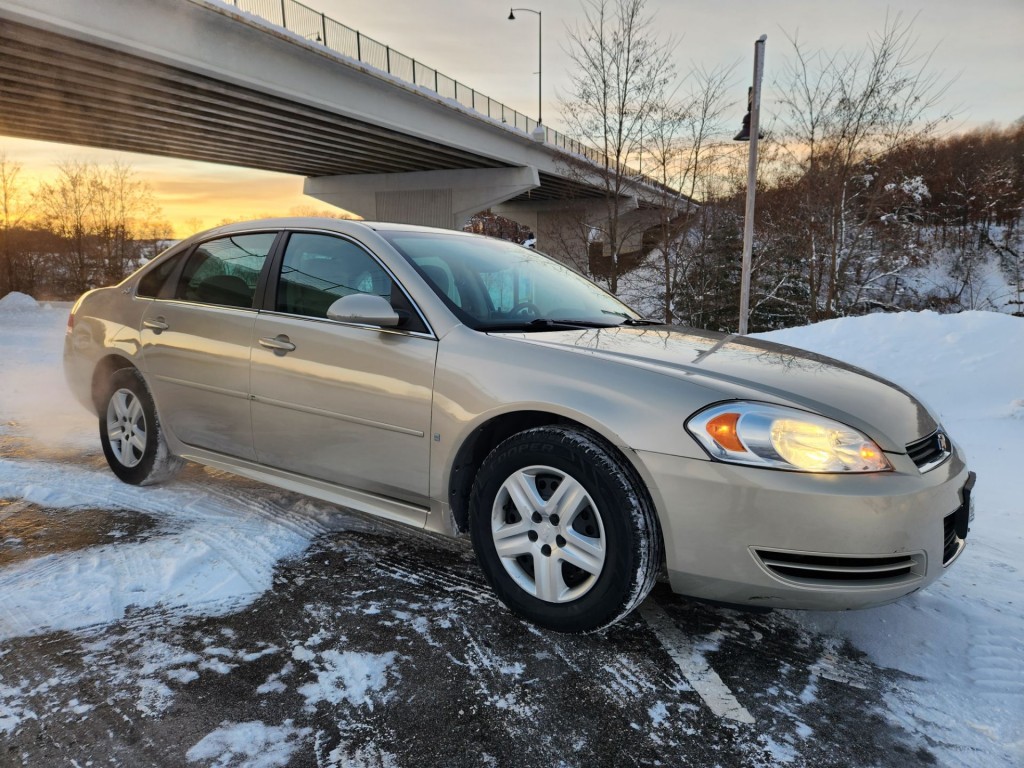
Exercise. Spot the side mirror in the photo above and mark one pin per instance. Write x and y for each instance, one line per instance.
(364, 309)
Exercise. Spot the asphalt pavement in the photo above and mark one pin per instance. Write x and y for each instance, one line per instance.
(382, 647)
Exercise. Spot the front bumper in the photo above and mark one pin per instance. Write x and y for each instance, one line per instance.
(767, 538)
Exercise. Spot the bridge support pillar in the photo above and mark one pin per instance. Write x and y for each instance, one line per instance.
(432, 198)
(566, 229)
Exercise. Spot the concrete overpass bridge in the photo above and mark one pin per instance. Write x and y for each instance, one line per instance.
(207, 80)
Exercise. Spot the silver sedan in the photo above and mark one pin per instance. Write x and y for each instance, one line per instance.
(470, 386)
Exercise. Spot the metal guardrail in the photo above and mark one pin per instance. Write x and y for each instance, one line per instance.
(319, 28)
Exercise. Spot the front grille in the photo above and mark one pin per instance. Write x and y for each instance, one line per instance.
(842, 570)
(928, 452)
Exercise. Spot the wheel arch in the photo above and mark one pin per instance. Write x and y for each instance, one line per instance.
(487, 435)
(106, 367)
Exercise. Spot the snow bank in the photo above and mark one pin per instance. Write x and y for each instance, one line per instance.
(18, 302)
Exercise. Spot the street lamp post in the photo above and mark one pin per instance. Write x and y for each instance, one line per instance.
(540, 19)
(751, 133)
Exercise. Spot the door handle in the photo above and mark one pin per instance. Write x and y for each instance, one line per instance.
(279, 344)
(157, 326)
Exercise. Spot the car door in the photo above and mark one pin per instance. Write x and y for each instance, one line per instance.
(343, 403)
(196, 339)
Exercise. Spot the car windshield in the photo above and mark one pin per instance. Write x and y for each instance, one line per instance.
(494, 285)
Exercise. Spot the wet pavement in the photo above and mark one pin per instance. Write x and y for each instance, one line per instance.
(29, 530)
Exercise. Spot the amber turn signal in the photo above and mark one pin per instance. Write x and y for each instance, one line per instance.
(723, 429)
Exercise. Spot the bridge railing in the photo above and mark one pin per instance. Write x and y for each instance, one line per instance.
(319, 28)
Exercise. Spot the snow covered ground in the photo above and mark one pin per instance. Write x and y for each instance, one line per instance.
(157, 606)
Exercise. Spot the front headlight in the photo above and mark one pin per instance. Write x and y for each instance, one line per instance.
(765, 435)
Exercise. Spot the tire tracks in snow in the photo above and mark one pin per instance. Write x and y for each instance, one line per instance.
(996, 664)
(215, 542)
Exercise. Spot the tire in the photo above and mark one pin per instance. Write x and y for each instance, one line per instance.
(130, 432)
(559, 498)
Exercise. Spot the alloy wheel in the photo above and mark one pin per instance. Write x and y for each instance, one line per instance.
(126, 427)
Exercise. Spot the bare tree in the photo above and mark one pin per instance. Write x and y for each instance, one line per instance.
(14, 210)
(66, 208)
(683, 151)
(123, 211)
(619, 86)
(318, 211)
(99, 214)
(839, 113)
(193, 224)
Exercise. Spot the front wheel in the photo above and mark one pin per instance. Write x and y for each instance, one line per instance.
(564, 529)
(131, 435)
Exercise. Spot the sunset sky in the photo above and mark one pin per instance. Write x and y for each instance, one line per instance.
(976, 44)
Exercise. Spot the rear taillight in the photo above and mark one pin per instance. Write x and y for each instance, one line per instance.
(71, 323)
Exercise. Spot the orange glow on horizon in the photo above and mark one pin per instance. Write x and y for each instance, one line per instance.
(191, 196)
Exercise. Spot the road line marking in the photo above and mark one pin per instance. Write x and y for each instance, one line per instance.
(693, 665)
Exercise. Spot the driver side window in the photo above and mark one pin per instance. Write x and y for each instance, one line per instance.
(317, 270)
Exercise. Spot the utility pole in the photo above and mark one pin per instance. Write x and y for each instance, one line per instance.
(751, 133)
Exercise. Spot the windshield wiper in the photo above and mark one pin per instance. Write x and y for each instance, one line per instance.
(627, 320)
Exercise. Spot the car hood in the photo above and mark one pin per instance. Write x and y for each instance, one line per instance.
(739, 367)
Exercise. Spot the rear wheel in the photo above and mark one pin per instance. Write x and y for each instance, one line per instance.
(130, 432)
(564, 530)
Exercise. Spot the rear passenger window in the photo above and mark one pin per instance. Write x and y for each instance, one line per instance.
(317, 270)
(225, 271)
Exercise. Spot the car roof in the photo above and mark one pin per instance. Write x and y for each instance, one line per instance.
(323, 222)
